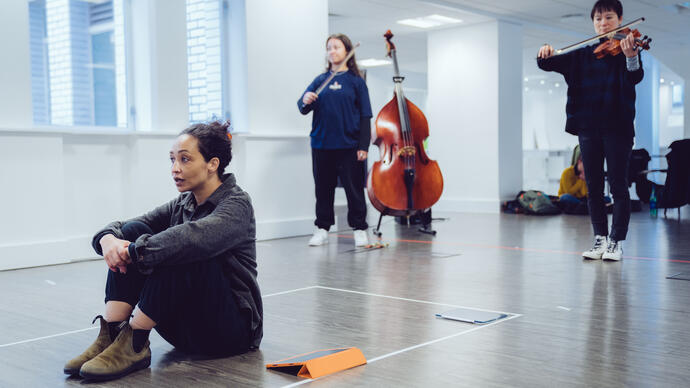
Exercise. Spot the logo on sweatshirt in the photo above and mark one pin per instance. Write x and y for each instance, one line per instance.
(335, 86)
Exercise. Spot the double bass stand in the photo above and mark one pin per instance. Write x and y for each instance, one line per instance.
(426, 226)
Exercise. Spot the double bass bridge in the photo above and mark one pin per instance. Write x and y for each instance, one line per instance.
(407, 151)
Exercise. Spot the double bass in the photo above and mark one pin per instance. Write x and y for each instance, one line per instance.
(404, 181)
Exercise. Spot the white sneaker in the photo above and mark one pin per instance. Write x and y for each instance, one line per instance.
(597, 251)
(361, 238)
(320, 237)
(614, 251)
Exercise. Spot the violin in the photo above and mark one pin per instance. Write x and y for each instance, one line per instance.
(405, 181)
(612, 46)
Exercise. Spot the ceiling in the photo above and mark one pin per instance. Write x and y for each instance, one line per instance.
(543, 21)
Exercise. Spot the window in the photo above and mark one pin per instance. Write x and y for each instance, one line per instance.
(78, 68)
(205, 60)
(677, 96)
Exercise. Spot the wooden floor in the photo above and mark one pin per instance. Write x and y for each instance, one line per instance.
(571, 322)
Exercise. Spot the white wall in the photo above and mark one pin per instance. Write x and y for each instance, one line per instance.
(276, 172)
(544, 120)
(286, 43)
(466, 88)
(65, 186)
(546, 145)
(509, 110)
(62, 185)
(285, 48)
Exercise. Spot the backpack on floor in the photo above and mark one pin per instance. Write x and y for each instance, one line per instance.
(536, 202)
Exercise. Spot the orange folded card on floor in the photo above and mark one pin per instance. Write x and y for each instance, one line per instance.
(320, 362)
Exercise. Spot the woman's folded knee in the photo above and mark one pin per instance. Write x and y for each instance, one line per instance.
(133, 229)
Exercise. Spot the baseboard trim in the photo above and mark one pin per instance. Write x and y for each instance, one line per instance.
(40, 253)
(271, 229)
(470, 205)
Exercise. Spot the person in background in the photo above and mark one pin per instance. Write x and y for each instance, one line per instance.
(340, 137)
(573, 188)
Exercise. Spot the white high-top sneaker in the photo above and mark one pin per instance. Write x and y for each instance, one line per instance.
(614, 251)
(361, 238)
(320, 237)
(597, 251)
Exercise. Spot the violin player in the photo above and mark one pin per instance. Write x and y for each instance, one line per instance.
(600, 111)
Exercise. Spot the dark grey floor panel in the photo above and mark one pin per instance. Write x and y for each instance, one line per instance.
(571, 323)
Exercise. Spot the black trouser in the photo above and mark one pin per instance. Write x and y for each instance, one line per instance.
(191, 304)
(327, 166)
(597, 145)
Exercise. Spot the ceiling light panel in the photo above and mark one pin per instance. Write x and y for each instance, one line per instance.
(429, 21)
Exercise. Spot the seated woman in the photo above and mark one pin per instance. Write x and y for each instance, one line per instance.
(573, 188)
(189, 266)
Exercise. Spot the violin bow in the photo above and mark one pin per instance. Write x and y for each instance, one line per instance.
(608, 34)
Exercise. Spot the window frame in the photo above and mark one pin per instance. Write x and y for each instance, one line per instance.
(224, 55)
(129, 87)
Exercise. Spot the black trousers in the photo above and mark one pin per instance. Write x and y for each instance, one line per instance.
(191, 304)
(327, 166)
(597, 146)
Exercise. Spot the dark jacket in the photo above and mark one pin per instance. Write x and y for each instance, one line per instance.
(601, 92)
(222, 228)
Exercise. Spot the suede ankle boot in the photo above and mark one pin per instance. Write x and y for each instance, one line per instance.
(118, 359)
(102, 341)
(114, 329)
